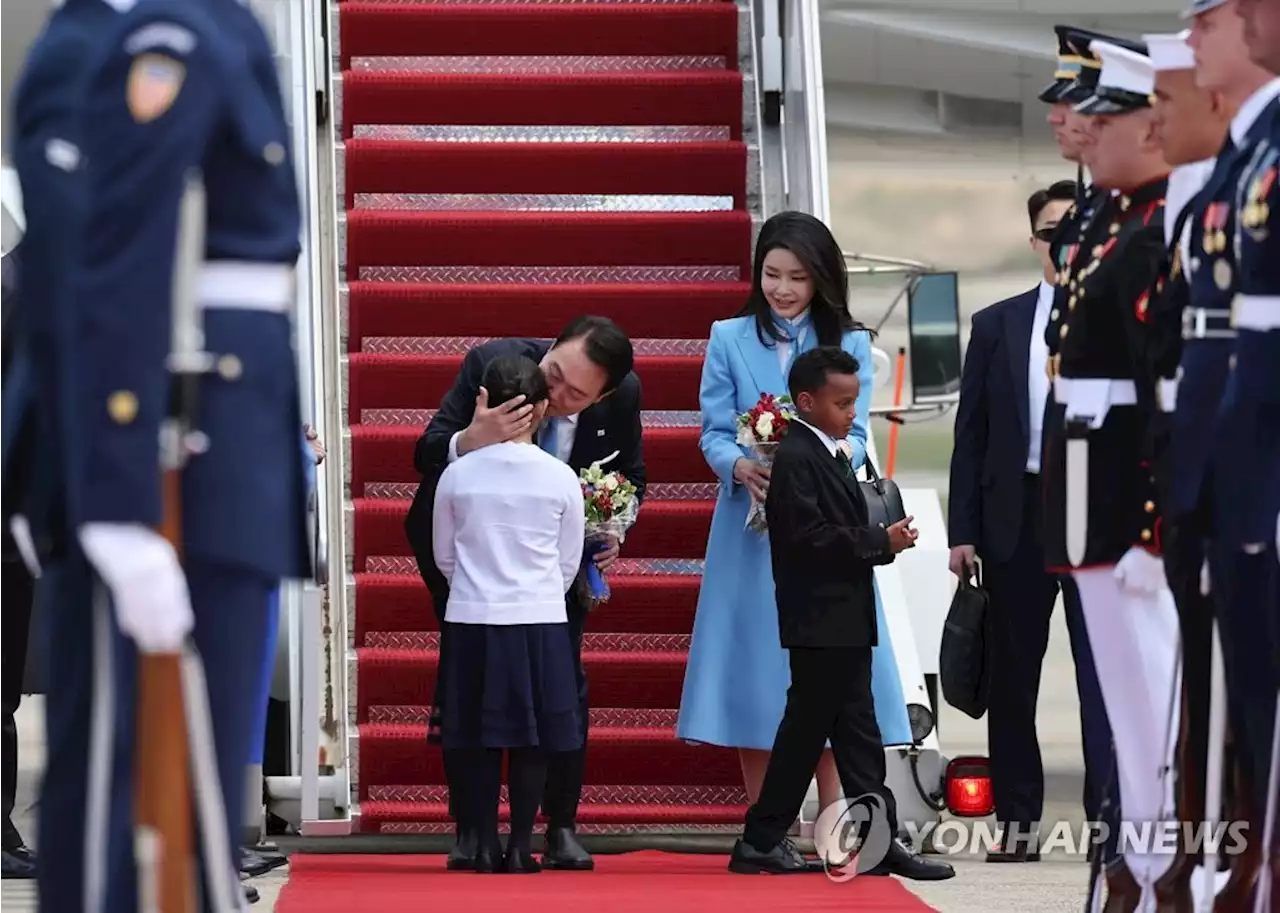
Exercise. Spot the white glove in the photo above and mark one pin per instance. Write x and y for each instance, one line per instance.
(148, 588)
(1140, 572)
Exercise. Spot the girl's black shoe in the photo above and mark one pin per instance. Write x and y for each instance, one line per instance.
(489, 858)
(520, 862)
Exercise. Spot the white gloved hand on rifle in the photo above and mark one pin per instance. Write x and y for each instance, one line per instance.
(148, 587)
(1140, 572)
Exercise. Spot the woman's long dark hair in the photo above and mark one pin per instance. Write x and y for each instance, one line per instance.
(814, 246)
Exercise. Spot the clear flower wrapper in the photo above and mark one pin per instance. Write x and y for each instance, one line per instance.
(760, 431)
(611, 506)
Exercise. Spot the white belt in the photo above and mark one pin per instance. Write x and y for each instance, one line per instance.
(244, 286)
(1118, 392)
(1196, 323)
(1256, 312)
(1167, 391)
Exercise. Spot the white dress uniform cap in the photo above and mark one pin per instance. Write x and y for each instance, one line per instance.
(1170, 52)
(1123, 69)
(1201, 6)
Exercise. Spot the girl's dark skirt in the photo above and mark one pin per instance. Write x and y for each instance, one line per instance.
(507, 686)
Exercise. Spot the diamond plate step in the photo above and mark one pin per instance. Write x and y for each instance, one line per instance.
(658, 491)
(613, 643)
(520, 31)
(440, 133)
(533, 202)
(550, 275)
(420, 418)
(461, 345)
(432, 92)
(637, 567)
(522, 66)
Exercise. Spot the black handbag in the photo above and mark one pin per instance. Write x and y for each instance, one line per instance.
(884, 501)
(967, 653)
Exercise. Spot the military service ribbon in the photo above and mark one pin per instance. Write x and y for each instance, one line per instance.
(1214, 239)
(1256, 209)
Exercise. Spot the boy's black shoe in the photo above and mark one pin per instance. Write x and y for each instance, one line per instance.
(783, 859)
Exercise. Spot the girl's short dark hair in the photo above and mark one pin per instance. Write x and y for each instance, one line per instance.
(509, 376)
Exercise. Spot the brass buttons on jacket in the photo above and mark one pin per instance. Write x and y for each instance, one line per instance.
(122, 406)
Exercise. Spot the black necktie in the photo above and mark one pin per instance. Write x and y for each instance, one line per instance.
(845, 464)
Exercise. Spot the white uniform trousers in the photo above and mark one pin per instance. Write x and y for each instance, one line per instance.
(1134, 640)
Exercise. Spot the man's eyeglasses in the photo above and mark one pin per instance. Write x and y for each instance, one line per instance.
(1045, 234)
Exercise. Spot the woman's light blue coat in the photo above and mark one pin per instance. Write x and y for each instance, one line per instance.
(735, 686)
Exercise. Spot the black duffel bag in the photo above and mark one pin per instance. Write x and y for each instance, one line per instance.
(967, 653)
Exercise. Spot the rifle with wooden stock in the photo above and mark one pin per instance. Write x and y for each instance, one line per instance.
(163, 831)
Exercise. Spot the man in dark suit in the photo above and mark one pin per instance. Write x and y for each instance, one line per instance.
(594, 414)
(824, 551)
(995, 513)
(19, 592)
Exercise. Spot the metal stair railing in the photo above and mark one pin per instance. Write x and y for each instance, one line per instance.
(313, 614)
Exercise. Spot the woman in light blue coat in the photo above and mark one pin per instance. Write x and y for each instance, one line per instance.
(736, 682)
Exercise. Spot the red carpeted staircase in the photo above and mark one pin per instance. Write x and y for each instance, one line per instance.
(508, 165)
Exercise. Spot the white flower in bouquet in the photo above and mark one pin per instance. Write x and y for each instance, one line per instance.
(760, 429)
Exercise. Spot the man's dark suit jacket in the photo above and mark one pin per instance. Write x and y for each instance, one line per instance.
(611, 424)
(822, 547)
(989, 459)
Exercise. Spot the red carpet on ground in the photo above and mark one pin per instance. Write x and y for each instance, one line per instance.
(647, 881)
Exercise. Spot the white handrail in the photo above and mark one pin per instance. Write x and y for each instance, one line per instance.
(804, 119)
(296, 27)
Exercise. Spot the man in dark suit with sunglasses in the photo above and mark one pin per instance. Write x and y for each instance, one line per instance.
(995, 514)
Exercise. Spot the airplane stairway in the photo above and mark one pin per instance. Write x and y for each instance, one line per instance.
(504, 167)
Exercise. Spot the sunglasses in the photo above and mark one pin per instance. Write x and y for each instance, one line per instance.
(1045, 234)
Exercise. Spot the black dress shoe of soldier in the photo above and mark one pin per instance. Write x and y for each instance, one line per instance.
(462, 858)
(19, 863)
(251, 893)
(564, 852)
(783, 859)
(253, 863)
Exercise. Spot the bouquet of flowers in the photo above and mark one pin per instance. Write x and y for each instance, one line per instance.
(609, 500)
(760, 430)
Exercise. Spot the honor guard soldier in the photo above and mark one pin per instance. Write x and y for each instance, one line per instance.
(1093, 459)
(183, 335)
(1074, 81)
(1204, 465)
(1247, 468)
(47, 159)
(1192, 123)
(1262, 35)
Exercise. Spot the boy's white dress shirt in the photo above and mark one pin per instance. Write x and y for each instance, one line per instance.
(508, 533)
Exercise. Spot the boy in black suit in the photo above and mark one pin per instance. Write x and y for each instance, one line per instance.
(824, 550)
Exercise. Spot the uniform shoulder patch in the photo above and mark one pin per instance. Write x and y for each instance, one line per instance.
(154, 83)
(158, 36)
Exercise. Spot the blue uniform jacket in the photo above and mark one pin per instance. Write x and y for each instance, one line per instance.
(49, 161)
(1207, 343)
(182, 90)
(1248, 450)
